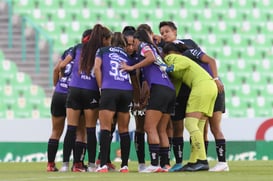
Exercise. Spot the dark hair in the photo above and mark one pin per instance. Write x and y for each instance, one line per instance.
(86, 35)
(145, 27)
(167, 23)
(89, 49)
(118, 40)
(128, 31)
(142, 35)
(177, 47)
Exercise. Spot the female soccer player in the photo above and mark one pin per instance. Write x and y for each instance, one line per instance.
(116, 86)
(84, 94)
(157, 40)
(158, 110)
(200, 103)
(138, 109)
(58, 112)
(80, 145)
(168, 31)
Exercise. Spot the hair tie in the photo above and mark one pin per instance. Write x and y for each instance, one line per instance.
(86, 39)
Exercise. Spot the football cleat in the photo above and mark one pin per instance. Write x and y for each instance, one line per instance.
(103, 169)
(176, 167)
(152, 169)
(51, 167)
(141, 167)
(65, 167)
(78, 167)
(111, 167)
(166, 168)
(124, 169)
(91, 167)
(220, 167)
(200, 165)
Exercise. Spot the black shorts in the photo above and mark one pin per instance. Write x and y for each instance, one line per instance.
(220, 103)
(161, 98)
(116, 100)
(58, 102)
(181, 103)
(80, 99)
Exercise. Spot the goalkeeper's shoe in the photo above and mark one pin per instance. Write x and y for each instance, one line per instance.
(200, 165)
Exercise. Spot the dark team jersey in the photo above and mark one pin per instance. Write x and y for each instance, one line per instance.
(112, 76)
(62, 84)
(152, 73)
(195, 53)
(80, 79)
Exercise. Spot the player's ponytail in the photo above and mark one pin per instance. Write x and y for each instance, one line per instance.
(95, 41)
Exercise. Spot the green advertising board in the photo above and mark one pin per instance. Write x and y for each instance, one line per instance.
(36, 151)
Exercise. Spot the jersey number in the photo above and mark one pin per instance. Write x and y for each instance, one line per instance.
(115, 72)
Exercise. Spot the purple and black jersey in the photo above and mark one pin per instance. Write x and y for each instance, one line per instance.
(80, 79)
(62, 84)
(152, 73)
(112, 76)
(195, 53)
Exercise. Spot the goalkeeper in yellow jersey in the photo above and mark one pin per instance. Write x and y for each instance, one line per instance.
(200, 103)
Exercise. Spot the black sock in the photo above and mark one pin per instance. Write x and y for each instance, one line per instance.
(69, 142)
(164, 156)
(221, 149)
(109, 152)
(113, 129)
(83, 153)
(154, 154)
(178, 145)
(125, 145)
(105, 138)
(99, 153)
(91, 144)
(206, 146)
(170, 149)
(79, 150)
(140, 146)
(52, 148)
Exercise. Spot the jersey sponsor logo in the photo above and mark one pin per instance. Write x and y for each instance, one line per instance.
(112, 49)
(116, 57)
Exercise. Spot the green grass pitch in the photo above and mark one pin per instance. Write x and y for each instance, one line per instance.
(239, 171)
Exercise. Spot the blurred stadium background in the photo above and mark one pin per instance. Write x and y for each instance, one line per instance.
(237, 33)
(33, 34)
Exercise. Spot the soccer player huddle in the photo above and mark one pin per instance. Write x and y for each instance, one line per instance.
(166, 83)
